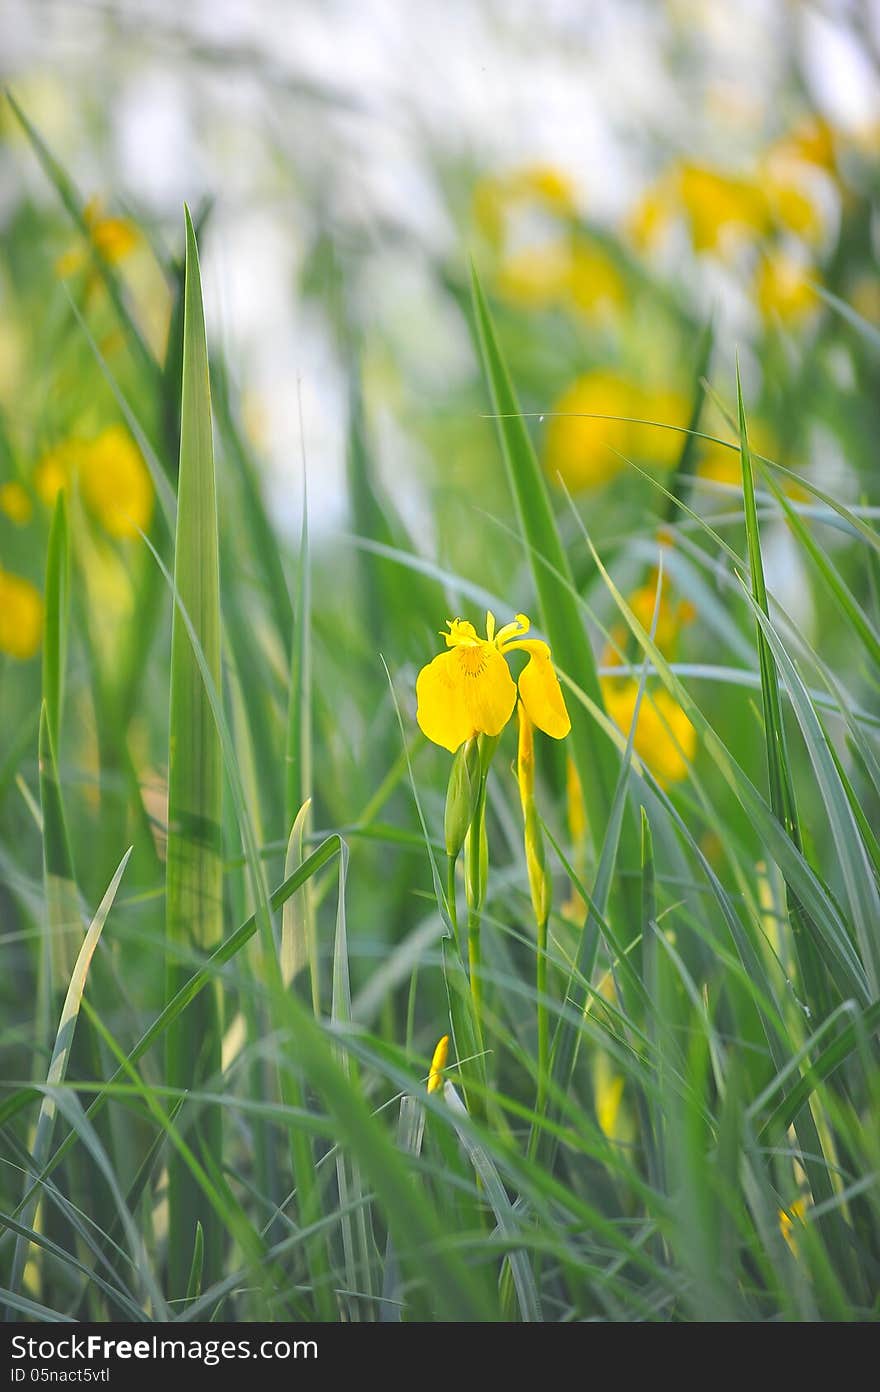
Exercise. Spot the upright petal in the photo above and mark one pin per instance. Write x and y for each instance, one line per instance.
(540, 691)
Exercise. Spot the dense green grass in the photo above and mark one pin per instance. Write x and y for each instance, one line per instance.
(230, 939)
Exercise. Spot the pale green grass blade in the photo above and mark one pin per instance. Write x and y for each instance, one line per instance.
(194, 869)
(782, 794)
(357, 1240)
(861, 889)
(834, 581)
(410, 1133)
(296, 946)
(60, 1056)
(197, 1270)
(520, 1267)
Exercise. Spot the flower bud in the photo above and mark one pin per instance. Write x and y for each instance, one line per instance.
(462, 795)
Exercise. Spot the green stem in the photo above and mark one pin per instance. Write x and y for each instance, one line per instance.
(450, 897)
(543, 1022)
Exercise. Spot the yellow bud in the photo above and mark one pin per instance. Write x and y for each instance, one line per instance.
(525, 766)
(438, 1063)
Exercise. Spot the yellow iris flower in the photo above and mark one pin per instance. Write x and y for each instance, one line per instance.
(21, 616)
(469, 690)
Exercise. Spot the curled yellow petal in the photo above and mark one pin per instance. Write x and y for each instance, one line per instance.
(466, 691)
(540, 691)
(438, 1063)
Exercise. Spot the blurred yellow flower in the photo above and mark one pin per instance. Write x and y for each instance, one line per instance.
(595, 284)
(571, 275)
(535, 277)
(21, 616)
(469, 691)
(665, 739)
(593, 429)
(438, 1063)
(783, 288)
(789, 1220)
(793, 208)
(672, 614)
(608, 1096)
(653, 443)
(115, 238)
(116, 484)
(15, 502)
(811, 141)
(716, 206)
(580, 445)
(498, 197)
(716, 203)
(723, 465)
(56, 469)
(113, 478)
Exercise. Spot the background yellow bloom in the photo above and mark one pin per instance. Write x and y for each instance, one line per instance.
(783, 288)
(21, 616)
(665, 739)
(115, 483)
(596, 421)
(15, 502)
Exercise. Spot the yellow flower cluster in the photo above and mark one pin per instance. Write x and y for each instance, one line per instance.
(778, 208)
(113, 479)
(554, 265)
(593, 429)
(21, 616)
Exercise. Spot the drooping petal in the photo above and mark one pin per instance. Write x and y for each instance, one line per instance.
(540, 691)
(441, 711)
(466, 691)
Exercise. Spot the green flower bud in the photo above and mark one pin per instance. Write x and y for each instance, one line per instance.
(462, 795)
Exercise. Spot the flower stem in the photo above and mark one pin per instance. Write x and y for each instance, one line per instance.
(450, 897)
(543, 1022)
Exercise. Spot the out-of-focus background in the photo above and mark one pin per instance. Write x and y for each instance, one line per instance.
(650, 193)
(391, 138)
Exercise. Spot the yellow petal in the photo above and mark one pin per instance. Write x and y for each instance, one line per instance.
(540, 691)
(466, 691)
